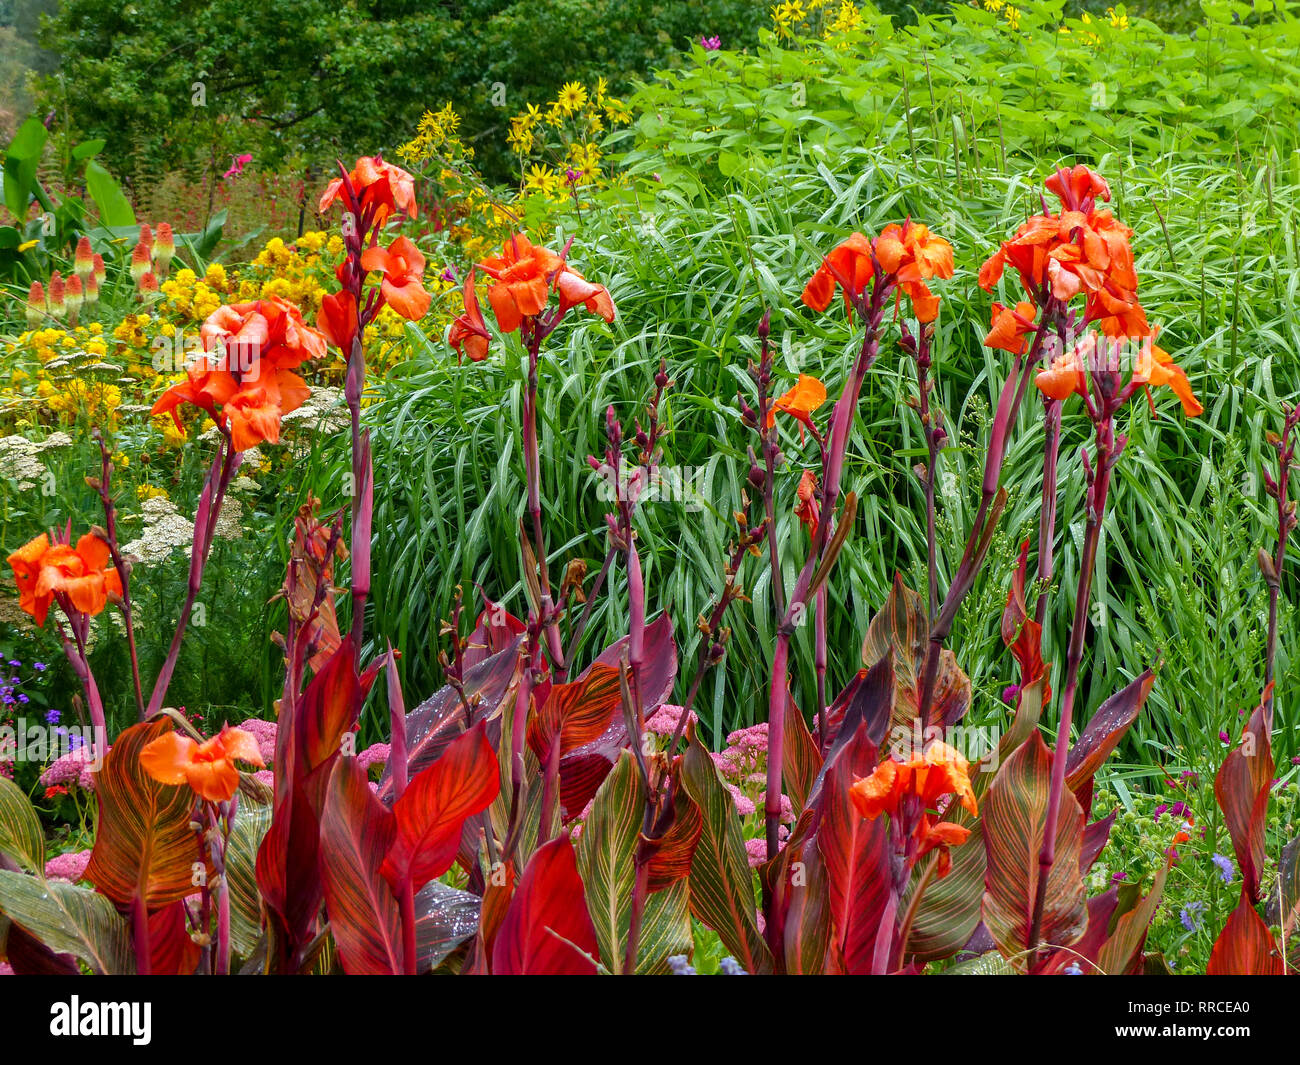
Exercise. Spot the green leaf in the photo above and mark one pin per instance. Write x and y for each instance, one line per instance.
(21, 162)
(69, 919)
(722, 886)
(114, 210)
(251, 822)
(20, 830)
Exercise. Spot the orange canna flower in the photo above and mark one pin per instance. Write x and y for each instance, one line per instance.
(523, 273)
(45, 571)
(575, 290)
(207, 767)
(805, 507)
(1010, 325)
(940, 771)
(850, 266)
(1157, 367)
(379, 185)
(914, 255)
(1065, 376)
(402, 265)
(248, 383)
(799, 402)
(469, 334)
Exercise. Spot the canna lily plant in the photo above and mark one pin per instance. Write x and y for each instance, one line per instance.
(577, 841)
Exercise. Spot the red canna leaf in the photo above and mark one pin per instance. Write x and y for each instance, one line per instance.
(546, 929)
(1242, 788)
(1104, 731)
(356, 832)
(327, 710)
(1022, 633)
(855, 853)
(430, 813)
(495, 630)
(1014, 814)
(903, 628)
(171, 950)
(575, 713)
(1245, 947)
(144, 847)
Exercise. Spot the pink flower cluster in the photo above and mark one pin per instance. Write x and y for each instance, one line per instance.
(70, 866)
(663, 722)
(74, 768)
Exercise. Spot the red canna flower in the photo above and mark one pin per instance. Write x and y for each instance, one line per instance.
(337, 320)
(207, 767)
(45, 571)
(1010, 327)
(1156, 367)
(248, 382)
(379, 185)
(402, 265)
(1078, 187)
(469, 333)
(525, 275)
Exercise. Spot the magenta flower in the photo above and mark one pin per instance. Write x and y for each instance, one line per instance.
(711, 44)
(237, 164)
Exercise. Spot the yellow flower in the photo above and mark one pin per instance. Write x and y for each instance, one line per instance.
(572, 97)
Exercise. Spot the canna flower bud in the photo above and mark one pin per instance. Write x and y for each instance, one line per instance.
(84, 263)
(58, 307)
(164, 248)
(139, 262)
(35, 305)
(100, 271)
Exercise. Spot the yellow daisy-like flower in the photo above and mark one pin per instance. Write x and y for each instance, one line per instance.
(573, 97)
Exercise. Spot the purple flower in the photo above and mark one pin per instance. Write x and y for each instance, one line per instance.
(449, 275)
(730, 967)
(1226, 869)
(52, 717)
(1223, 737)
(711, 44)
(1190, 916)
(1160, 811)
(678, 965)
(39, 667)
(1010, 694)
(571, 176)
(15, 663)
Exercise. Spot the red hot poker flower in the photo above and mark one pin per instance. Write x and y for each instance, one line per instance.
(402, 265)
(383, 186)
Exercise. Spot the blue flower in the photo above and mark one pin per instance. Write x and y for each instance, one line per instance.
(1190, 916)
(679, 966)
(731, 967)
(1226, 869)
(39, 667)
(52, 717)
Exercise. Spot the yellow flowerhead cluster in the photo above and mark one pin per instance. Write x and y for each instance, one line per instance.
(558, 144)
(436, 136)
(299, 273)
(192, 298)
